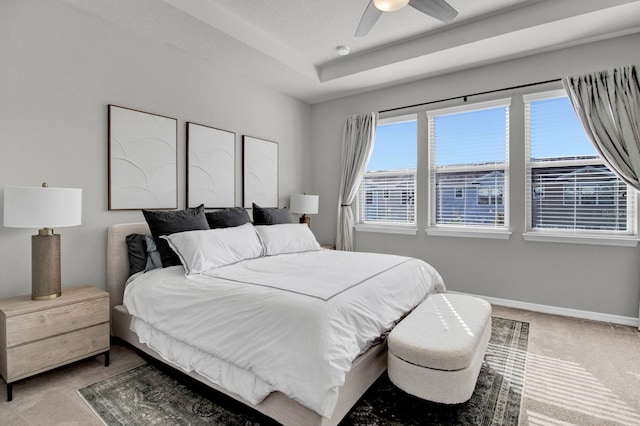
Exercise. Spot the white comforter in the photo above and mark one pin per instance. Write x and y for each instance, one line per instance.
(291, 323)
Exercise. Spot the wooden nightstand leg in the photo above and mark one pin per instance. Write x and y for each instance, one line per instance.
(106, 359)
(9, 392)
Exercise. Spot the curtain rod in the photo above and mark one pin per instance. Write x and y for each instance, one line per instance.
(472, 94)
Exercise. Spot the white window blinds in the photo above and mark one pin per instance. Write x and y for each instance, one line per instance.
(569, 189)
(469, 165)
(387, 192)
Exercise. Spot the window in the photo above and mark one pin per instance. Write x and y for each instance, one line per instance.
(469, 165)
(569, 189)
(387, 192)
(489, 196)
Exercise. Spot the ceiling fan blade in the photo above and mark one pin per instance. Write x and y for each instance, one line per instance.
(439, 9)
(368, 20)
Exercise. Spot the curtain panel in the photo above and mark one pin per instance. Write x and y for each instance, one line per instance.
(357, 146)
(608, 106)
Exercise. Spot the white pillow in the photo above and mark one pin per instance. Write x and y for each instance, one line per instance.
(200, 251)
(287, 238)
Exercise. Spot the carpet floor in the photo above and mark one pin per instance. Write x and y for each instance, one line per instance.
(147, 395)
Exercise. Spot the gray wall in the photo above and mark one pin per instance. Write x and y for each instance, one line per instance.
(59, 68)
(601, 279)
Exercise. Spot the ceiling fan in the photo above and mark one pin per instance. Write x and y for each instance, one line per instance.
(438, 9)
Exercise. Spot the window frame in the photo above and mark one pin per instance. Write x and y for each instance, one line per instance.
(471, 231)
(392, 227)
(577, 236)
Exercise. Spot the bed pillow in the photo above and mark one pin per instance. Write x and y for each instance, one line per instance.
(270, 216)
(200, 251)
(137, 247)
(227, 218)
(170, 222)
(287, 238)
(153, 255)
(143, 254)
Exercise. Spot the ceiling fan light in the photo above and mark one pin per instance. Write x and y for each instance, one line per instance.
(390, 5)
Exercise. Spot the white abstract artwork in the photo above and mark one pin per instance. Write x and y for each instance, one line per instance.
(211, 159)
(260, 172)
(142, 160)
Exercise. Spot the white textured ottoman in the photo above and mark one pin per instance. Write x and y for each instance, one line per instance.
(436, 352)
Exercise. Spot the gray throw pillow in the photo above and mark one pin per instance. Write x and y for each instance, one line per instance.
(143, 254)
(270, 216)
(163, 222)
(227, 218)
(137, 247)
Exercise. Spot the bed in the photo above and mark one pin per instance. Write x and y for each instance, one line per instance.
(288, 410)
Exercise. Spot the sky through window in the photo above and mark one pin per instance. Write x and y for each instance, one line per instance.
(557, 130)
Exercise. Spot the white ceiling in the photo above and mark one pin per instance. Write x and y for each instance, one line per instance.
(290, 45)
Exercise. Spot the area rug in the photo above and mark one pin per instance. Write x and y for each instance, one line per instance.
(154, 395)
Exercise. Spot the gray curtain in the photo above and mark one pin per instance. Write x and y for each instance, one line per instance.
(608, 106)
(357, 146)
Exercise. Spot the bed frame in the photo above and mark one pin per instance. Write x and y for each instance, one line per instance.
(364, 372)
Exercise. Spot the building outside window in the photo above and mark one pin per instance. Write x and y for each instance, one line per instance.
(569, 189)
(387, 192)
(469, 165)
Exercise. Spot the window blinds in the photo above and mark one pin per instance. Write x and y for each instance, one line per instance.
(387, 192)
(469, 163)
(388, 196)
(569, 189)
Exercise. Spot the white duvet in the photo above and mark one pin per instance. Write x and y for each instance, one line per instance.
(292, 323)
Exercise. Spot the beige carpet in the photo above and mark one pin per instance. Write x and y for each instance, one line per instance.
(578, 373)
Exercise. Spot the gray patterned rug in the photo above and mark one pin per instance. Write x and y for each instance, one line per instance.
(155, 395)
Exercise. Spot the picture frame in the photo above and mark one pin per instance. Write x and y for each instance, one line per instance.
(143, 159)
(211, 166)
(259, 172)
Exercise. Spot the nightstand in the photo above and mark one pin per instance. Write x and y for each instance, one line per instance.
(39, 335)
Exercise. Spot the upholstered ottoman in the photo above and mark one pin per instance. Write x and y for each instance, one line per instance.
(436, 352)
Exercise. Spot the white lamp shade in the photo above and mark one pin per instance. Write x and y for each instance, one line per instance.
(304, 204)
(42, 207)
(390, 5)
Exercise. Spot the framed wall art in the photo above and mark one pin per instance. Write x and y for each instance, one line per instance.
(260, 172)
(142, 160)
(211, 170)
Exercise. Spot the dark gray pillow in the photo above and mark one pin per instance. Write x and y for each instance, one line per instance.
(143, 254)
(270, 216)
(170, 222)
(153, 255)
(227, 218)
(137, 245)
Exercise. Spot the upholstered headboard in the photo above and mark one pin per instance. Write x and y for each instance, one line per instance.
(118, 257)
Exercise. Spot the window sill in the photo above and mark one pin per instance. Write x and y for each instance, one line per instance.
(622, 241)
(387, 229)
(497, 234)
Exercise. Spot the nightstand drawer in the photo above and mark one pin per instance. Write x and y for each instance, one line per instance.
(26, 360)
(58, 320)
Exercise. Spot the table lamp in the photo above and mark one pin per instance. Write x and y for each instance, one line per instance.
(304, 204)
(45, 208)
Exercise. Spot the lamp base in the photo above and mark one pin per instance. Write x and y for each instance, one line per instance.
(305, 219)
(45, 266)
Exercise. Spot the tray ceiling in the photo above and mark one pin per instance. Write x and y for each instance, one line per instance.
(290, 45)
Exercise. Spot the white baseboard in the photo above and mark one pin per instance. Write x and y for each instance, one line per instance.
(556, 310)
